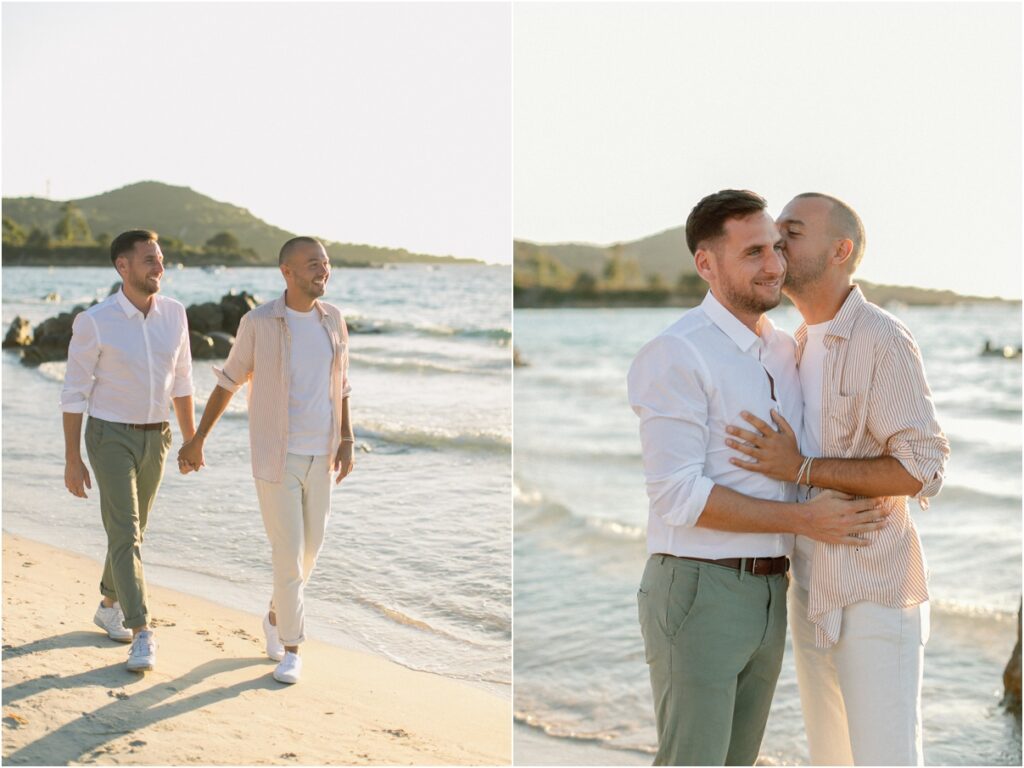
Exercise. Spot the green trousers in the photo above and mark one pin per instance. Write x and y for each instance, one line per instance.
(713, 639)
(128, 465)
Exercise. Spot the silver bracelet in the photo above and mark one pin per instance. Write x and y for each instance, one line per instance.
(809, 463)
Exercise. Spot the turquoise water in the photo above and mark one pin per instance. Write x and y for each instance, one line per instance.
(581, 511)
(417, 564)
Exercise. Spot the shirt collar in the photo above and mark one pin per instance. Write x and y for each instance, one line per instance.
(731, 326)
(129, 309)
(842, 324)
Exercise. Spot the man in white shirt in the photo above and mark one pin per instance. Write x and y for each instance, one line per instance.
(712, 600)
(293, 352)
(128, 360)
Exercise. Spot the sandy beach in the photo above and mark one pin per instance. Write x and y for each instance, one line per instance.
(68, 699)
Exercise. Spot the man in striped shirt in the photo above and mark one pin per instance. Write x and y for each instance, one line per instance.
(859, 615)
(293, 354)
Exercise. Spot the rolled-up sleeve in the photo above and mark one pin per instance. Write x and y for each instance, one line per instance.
(238, 367)
(346, 386)
(83, 355)
(183, 385)
(668, 393)
(901, 415)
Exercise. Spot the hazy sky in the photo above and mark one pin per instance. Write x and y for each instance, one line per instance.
(626, 115)
(387, 124)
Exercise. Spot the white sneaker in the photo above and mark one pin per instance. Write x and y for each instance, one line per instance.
(275, 648)
(111, 621)
(142, 656)
(289, 669)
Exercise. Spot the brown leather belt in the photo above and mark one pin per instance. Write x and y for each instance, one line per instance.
(759, 566)
(148, 427)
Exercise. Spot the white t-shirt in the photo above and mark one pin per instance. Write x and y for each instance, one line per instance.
(309, 397)
(812, 365)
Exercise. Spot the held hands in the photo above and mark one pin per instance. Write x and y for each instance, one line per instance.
(343, 461)
(76, 478)
(837, 518)
(190, 457)
(775, 453)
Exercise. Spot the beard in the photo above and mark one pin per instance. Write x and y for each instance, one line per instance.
(310, 289)
(746, 298)
(800, 277)
(143, 284)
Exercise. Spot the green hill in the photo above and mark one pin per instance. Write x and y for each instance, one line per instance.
(192, 218)
(654, 271)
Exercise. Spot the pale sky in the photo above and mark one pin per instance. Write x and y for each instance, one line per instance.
(627, 114)
(387, 124)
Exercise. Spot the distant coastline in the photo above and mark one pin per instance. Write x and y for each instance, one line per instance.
(549, 297)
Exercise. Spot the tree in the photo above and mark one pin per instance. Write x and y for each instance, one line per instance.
(620, 272)
(13, 232)
(585, 284)
(37, 238)
(72, 228)
(691, 284)
(223, 241)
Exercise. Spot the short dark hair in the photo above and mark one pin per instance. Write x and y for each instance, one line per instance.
(707, 219)
(845, 223)
(125, 242)
(287, 248)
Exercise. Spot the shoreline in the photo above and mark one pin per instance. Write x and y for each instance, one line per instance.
(211, 700)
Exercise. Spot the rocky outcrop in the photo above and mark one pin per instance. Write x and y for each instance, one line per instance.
(1011, 676)
(212, 329)
(19, 334)
(49, 341)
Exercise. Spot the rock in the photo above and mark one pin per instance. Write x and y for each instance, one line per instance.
(114, 288)
(205, 317)
(1011, 676)
(222, 343)
(19, 334)
(234, 306)
(201, 345)
(52, 296)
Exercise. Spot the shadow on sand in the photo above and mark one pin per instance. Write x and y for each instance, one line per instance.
(87, 734)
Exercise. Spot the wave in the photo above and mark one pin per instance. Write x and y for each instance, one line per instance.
(542, 512)
(365, 325)
(973, 612)
(971, 496)
(604, 739)
(419, 365)
(399, 617)
(437, 438)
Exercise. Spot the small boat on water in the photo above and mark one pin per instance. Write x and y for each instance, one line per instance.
(1007, 352)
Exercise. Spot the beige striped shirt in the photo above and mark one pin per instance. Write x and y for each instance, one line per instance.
(260, 356)
(875, 402)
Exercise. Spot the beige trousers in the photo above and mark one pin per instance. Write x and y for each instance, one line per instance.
(295, 513)
(861, 698)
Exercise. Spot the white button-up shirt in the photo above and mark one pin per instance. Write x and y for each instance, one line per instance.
(687, 385)
(124, 366)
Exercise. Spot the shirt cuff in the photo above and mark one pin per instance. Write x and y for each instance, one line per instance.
(183, 389)
(74, 406)
(225, 381)
(927, 471)
(686, 513)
